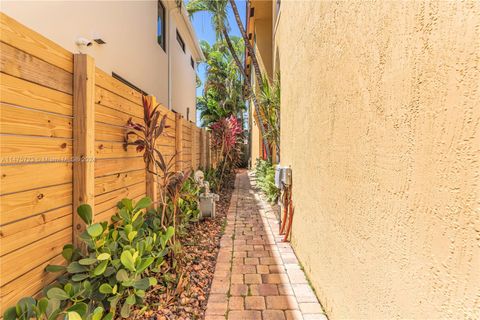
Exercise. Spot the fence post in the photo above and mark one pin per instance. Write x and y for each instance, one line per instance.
(178, 142)
(151, 179)
(83, 138)
(192, 146)
(202, 148)
(207, 150)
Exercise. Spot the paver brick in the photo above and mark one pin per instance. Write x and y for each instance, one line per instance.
(264, 290)
(273, 315)
(282, 303)
(255, 303)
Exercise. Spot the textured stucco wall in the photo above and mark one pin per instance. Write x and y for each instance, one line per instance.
(381, 125)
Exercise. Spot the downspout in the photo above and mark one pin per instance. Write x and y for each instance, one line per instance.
(169, 51)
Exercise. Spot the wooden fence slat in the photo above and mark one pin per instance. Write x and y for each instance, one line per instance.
(19, 262)
(24, 177)
(84, 138)
(23, 65)
(25, 39)
(30, 235)
(29, 283)
(28, 94)
(116, 181)
(25, 121)
(21, 205)
(105, 81)
(35, 149)
(105, 167)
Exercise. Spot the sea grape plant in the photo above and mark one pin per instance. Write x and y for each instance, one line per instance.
(112, 275)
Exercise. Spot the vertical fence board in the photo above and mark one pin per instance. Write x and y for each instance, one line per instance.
(178, 142)
(84, 137)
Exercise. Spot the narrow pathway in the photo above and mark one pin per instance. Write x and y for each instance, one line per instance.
(257, 275)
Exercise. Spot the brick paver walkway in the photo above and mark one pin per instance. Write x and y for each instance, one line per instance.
(257, 275)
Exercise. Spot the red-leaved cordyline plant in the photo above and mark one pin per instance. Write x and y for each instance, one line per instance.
(227, 135)
(145, 138)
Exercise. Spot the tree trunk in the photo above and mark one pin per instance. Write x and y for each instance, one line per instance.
(249, 47)
(249, 86)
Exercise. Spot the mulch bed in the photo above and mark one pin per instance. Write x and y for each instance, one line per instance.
(197, 261)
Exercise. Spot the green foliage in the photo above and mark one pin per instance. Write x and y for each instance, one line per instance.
(212, 176)
(269, 99)
(114, 272)
(188, 205)
(265, 174)
(223, 90)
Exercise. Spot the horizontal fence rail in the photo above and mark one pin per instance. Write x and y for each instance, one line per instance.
(57, 108)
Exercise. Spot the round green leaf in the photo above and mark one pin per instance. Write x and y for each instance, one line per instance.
(80, 308)
(79, 277)
(143, 203)
(100, 268)
(95, 230)
(105, 288)
(122, 275)
(76, 267)
(73, 316)
(87, 261)
(130, 299)
(85, 212)
(103, 256)
(10, 314)
(54, 268)
(58, 294)
(127, 260)
(42, 305)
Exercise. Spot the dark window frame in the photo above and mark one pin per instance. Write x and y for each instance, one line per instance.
(128, 83)
(180, 41)
(192, 62)
(161, 13)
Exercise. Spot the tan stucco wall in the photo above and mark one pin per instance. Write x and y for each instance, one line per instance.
(381, 125)
(129, 28)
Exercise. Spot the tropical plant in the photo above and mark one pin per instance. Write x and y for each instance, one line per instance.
(227, 135)
(265, 178)
(218, 9)
(114, 272)
(223, 90)
(270, 108)
(145, 139)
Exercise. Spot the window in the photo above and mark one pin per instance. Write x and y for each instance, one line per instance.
(188, 113)
(128, 83)
(180, 41)
(161, 25)
(192, 63)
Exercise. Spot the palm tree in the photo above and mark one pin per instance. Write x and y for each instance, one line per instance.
(223, 89)
(248, 45)
(218, 9)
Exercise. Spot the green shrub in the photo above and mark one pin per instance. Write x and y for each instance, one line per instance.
(265, 174)
(114, 272)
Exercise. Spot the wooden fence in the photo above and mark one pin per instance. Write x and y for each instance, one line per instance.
(57, 107)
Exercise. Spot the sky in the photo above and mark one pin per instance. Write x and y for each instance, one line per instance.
(202, 24)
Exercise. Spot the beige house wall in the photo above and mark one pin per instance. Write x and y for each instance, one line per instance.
(381, 125)
(130, 30)
(261, 29)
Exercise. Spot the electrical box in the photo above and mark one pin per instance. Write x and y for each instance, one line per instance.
(287, 176)
(283, 176)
